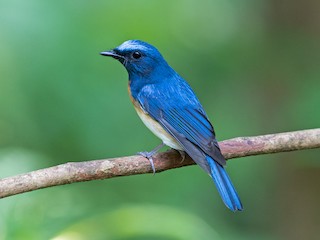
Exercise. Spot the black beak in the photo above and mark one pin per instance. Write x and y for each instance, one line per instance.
(112, 54)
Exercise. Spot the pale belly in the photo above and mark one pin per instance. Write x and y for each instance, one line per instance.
(158, 130)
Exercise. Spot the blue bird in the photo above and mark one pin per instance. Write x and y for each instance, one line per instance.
(170, 109)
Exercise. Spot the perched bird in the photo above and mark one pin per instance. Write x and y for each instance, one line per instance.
(170, 109)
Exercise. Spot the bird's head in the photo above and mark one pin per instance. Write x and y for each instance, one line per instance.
(138, 57)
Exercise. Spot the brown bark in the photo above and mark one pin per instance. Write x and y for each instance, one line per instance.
(124, 166)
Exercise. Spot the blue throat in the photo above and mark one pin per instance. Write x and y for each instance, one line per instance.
(162, 74)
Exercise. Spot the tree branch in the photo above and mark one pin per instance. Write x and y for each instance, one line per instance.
(124, 166)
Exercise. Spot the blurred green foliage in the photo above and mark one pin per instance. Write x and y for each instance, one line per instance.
(255, 68)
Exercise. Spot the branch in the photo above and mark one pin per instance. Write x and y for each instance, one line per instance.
(124, 166)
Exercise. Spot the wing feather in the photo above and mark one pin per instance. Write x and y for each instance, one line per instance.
(189, 125)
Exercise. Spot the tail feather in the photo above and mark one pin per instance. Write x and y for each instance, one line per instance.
(224, 186)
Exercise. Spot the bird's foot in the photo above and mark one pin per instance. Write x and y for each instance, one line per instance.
(183, 155)
(149, 155)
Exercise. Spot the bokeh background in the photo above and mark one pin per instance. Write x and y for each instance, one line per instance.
(253, 64)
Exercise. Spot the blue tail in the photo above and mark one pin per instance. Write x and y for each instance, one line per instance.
(224, 186)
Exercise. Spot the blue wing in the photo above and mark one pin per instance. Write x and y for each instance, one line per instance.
(179, 112)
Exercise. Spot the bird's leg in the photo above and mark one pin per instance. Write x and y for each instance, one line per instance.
(149, 155)
(183, 155)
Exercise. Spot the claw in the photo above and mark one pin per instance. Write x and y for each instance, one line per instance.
(183, 155)
(149, 155)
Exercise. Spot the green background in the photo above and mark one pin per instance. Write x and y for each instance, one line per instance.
(253, 64)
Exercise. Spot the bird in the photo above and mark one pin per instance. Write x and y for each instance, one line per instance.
(168, 106)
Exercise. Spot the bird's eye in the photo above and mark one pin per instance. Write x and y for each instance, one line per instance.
(136, 55)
